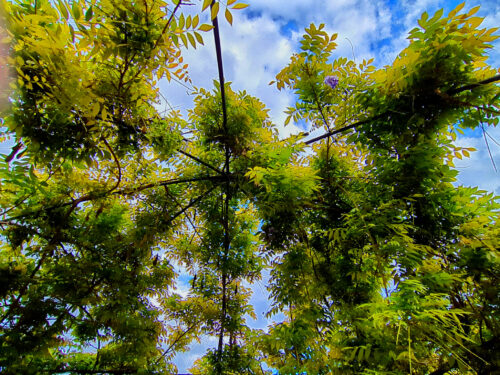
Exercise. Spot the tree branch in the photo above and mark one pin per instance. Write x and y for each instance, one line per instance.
(98, 371)
(220, 68)
(187, 217)
(97, 195)
(167, 24)
(343, 129)
(117, 163)
(177, 339)
(474, 85)
(15, 150)
(201, 162)
(362, 122)
(192, 203)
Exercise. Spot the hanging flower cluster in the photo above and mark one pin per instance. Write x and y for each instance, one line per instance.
(331, 81)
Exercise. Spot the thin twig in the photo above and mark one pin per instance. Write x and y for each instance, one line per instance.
(192, 203)
(493, 139)
(343, 129)
(117, 163)
(167, 24)
(188, 218)
(177, 339)
(488, 147)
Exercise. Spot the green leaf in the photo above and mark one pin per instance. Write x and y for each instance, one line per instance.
(181, 22)
(229, 16)
(196, 21)
(214, 10)
(191, 40)
(198, 37)
(206, 4)
(76, 10)
(63, 9)
(239, 6)
(88, 14)
(205, 27)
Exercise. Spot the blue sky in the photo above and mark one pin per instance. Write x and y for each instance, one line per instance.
(265, 35)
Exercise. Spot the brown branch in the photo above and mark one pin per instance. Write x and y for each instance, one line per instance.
(15, 150)
(220, 68)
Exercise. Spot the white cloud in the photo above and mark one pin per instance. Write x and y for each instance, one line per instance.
(255, 49)
(253, 52)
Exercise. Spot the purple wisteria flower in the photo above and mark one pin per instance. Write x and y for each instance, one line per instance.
(331, 81)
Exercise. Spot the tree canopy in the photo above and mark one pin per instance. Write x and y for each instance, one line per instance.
(378, 262)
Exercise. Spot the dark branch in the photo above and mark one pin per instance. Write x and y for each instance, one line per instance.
(15, 150)
(117, 372)
(167, 24)
(192, 203)
(225, 209)
(92, 196)
(187, 217)
(343, 129)
(474, 85)
(349, 127)
(177, 339)
(201, 162)
(172, 182)
(220, 68)
(117, 164)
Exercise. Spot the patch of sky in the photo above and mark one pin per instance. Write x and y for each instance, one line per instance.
(381, 44)
(472, 133)
(184, 277)
(252, 13)
(302, 124)
(288, 28)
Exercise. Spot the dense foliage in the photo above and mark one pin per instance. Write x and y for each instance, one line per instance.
(378, 262)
